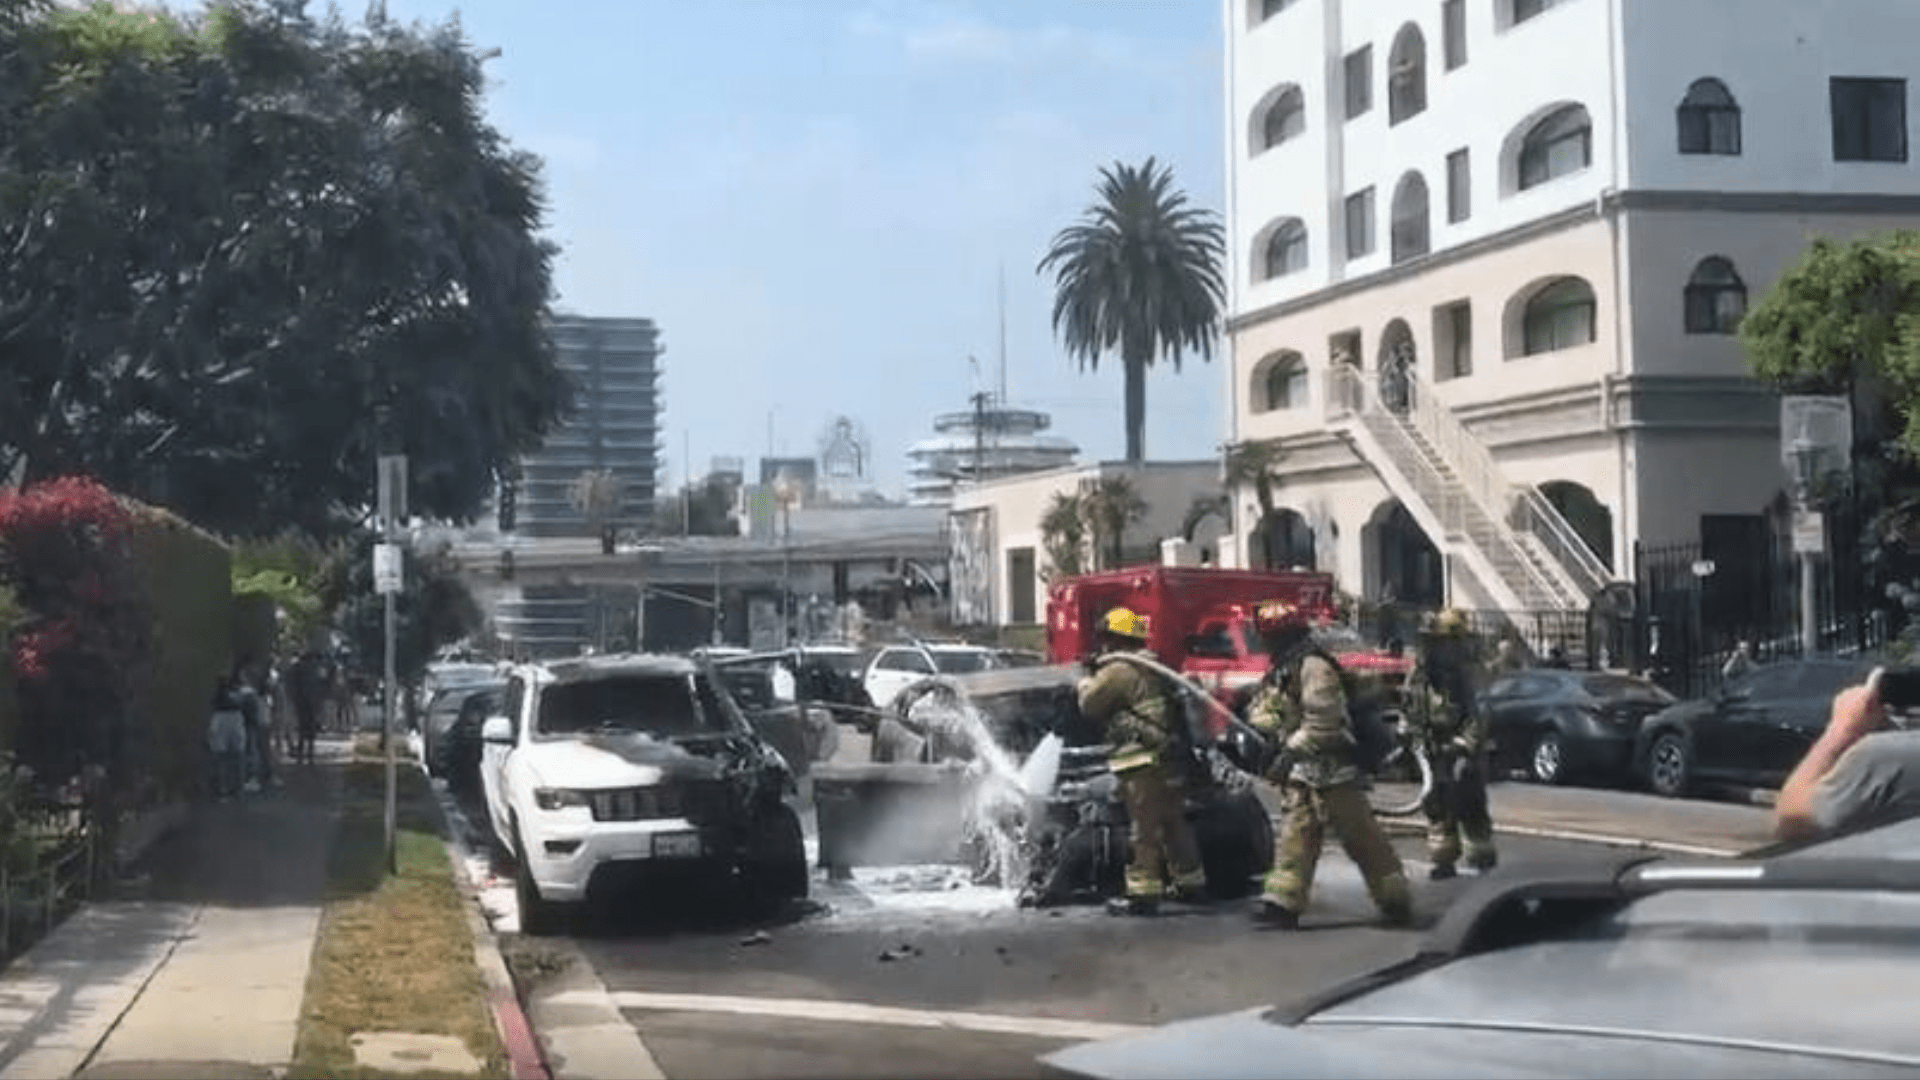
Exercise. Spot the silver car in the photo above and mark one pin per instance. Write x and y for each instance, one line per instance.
(1802, 962)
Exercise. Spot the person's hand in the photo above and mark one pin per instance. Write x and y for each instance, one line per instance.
(1857, 712)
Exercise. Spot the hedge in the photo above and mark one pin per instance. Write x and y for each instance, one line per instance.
(10, 617)
(188, 575)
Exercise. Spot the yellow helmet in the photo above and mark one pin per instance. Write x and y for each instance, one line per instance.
(1449, 623)
(1122, 622)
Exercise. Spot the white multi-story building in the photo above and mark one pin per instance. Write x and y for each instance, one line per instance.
(1488, 258)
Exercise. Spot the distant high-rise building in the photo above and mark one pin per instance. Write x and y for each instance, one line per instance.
(615, 367)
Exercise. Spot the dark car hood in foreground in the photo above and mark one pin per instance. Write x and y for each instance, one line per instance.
(1703, 984)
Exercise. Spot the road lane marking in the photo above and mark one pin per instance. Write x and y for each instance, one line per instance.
(853, 1012)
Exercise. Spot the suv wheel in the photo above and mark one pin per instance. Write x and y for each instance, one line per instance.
(777, 873)
(539, 917)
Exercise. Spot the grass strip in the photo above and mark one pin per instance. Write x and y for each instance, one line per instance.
(395, 953)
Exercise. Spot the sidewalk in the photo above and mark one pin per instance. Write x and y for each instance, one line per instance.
(203, 974)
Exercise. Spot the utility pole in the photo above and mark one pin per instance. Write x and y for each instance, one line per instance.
(1809, 541)
(980, 400)
(388, 564)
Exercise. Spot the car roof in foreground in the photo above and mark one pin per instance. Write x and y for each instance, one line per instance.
(585, 668)
(1800, 964)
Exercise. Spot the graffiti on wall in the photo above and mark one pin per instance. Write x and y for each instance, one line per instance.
(970, 565)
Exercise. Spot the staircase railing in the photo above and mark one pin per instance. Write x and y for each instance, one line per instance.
(1520, 506)
(1351, 393)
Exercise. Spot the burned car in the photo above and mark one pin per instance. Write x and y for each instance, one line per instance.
(998, 769)
(605, 774)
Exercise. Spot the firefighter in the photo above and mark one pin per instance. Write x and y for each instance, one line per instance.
(1302, 709)
(1144, 728)
(1443, 710)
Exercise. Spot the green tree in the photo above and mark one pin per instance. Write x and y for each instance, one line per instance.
(1139, 273)
(237, 237)
(1111, 505)
(704, 509)
(1256, 464)
(1063, 533)
(433, 609)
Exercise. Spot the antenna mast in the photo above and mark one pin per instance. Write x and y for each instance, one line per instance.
(1003, 333)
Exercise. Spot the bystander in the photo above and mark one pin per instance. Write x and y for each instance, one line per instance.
(1860, 771)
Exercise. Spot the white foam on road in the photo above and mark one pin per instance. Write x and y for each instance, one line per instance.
(497, 900)
(854, 1012)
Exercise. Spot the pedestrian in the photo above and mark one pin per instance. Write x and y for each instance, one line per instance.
(1443, 712)
(1151, 754)
(1739, 663)
(1303, 710)
(1557, 659)
(1861, 771)
(1506, 658)
(227, 739)
(249, 680)
(309, 698)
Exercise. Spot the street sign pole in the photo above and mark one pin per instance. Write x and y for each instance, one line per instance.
(387, 579)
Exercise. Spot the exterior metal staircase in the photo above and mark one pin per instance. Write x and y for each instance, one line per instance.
(1520, 551)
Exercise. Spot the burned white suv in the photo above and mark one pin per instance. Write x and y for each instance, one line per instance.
(606, 771)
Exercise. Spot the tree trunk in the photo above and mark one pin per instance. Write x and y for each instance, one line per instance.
(1134, 363)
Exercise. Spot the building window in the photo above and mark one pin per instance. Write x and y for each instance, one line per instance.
(1560, 144)
(1286, 250)
(1560, 316)
(1344, 348)
(1407, 75)
(1269, 8)
(1452, 341)
(1453, 31)
(1459, 187)
(1285, 381)
(1716, 298)
(1284, 117)
(1411, 236)
(1360, 223)
(1869, 119)
(1527, 9)
(1709, 120)
(1359, 73)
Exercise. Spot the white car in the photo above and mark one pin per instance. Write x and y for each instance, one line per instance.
(897, 667)
(607, 772)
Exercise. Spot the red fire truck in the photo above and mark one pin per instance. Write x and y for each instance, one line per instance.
(1200, 620)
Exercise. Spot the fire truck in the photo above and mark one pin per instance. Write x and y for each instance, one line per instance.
(1200, 620)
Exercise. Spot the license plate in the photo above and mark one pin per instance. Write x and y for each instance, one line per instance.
(683, 845)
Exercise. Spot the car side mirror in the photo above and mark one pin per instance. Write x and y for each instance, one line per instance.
(497, 729)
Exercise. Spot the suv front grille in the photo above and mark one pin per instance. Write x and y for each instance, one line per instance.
(697, 802)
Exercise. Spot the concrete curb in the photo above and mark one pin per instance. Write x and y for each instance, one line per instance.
(525, 1058)
(1415, 827)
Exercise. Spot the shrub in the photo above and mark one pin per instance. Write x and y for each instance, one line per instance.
(188, 595)
(11, 617)
(81, 658)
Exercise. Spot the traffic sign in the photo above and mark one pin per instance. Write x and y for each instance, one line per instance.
(387, 563)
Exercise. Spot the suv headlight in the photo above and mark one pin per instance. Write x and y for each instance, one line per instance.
(558, 798)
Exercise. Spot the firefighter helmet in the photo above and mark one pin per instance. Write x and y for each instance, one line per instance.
(1123, 622)
(1449, 623)
(1278, 617)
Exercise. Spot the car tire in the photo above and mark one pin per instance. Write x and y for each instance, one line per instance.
(539, 917)
(777, 873)
(1547, 764)
(1670, 765)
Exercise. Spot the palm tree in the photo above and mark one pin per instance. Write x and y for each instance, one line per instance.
(1110, 504)
(1140, 273)
(1255, 464)
(1063, 532)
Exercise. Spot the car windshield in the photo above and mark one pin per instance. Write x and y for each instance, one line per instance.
(961, 661)
(1624, 688)
(660, 705)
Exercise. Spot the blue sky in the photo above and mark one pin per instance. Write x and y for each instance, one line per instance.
(812, 197)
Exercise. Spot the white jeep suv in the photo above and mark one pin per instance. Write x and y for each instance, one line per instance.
(605, 770)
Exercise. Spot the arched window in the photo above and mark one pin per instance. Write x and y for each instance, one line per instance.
(1286, 249)
(1283, 382)
(1561, 143)
(1407, 75)
(1411, 233)
(1716, 297)
(1284, 117)
(1563, 315)
(1709, 119)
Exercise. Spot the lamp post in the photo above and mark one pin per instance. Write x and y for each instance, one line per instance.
(1809, 540)
(786, 491)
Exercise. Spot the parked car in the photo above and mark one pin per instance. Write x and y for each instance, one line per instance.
(1793, 964)
(1568, 725)
(605, 773)
(450, 733)
(897, 667)
(1752, 731)
(764, 687)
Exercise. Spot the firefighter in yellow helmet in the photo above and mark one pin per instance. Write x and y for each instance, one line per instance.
(1444, 713)
(1303, 707)
(1145, 726)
